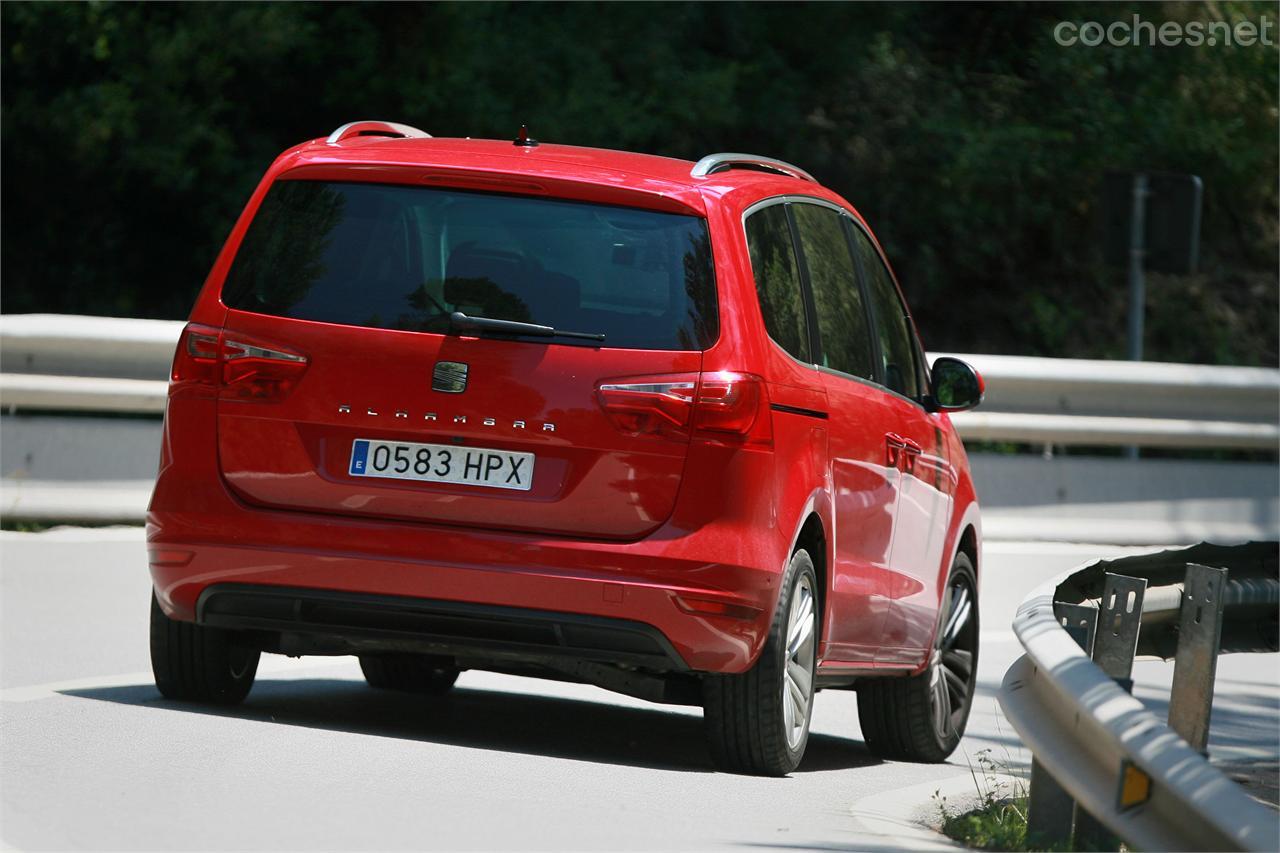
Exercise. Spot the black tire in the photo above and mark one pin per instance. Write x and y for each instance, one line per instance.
(409, 673)
(910, 719)
(746, 716)
(199, 664)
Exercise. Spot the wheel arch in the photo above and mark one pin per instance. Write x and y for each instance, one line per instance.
(966, 538)
(812, 528)
(968, 541)
(813, 539)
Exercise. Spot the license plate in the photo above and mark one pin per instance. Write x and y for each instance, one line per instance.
(442, 463)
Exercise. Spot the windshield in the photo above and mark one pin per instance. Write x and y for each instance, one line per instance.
(397, 257)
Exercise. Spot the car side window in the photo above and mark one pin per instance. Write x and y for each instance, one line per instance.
(777, 275)
(837, 297)
(892, 327)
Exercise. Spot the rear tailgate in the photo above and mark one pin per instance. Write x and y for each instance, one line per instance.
(397, 415)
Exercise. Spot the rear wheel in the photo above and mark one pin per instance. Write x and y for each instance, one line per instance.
(202, 664)
(409, 673)
(922, 718)
(758, 722)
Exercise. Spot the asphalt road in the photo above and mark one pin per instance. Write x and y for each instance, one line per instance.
(92, 757)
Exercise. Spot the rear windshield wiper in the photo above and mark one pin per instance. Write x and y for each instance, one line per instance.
(464, 323)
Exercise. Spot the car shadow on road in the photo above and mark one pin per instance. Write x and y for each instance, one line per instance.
(487, 719)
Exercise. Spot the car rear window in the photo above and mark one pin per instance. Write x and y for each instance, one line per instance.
(396, 257)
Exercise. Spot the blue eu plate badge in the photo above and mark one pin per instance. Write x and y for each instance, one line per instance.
(359, 457)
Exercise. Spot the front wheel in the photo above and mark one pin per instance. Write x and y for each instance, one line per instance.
(758, 722)
(922, 718)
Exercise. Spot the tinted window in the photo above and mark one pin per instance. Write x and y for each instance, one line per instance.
(405, 257)
(773, 262)
(896, 341)
(842, 317)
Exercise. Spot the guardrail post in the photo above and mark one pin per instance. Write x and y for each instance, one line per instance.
(1050, 809)
(1119, 618)
(1196, 663)
(1114, 644)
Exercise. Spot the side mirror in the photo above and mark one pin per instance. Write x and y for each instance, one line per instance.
(956, 385)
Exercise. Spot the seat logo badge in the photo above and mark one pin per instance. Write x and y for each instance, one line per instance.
(449, 377)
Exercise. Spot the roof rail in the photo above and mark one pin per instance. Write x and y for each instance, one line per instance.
(375, 128)
(713, 163)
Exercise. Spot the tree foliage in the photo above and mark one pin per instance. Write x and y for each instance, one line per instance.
(972, 142)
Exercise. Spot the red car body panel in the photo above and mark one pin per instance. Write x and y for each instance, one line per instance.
(656, 531)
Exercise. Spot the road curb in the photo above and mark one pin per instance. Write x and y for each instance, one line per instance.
(898, 816)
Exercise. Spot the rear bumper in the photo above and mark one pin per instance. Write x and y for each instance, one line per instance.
(647, 588)
(352, 623)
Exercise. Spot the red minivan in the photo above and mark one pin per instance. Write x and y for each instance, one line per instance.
(658, 426)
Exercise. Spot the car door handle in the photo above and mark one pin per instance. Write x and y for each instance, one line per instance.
(912, 453)
(895, 447)
(901, 452)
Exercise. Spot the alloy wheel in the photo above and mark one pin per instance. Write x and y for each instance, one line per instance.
(800, 654)
(951, 668)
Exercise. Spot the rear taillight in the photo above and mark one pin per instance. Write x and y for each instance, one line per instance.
(722, 405)
(251, 372)
(196, 361)
(650, 405)
(730, 403)
(237, 369)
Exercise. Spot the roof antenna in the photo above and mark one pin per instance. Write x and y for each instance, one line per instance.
(522, 138)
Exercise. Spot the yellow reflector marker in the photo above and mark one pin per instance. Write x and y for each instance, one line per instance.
(1135, 786)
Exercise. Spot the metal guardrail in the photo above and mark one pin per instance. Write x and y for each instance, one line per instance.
(1128, 388)
(56, 362)
(82, 393)
(1084, 402)
(1096, 431)
(1127, 771)
(73, 345)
